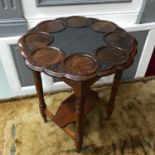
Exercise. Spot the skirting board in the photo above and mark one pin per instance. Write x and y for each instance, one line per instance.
(143, 79)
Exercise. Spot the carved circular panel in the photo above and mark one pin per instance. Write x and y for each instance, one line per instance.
(111, 55)
(44, 57)
(77, 21)
(50, 26)
(33, 41)
(104, 26)
(80, 64)
(118, 39)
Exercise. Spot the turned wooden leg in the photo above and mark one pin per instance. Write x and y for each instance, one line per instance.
(39, 89)
(79, 118)
(115, 86)
(81, 91)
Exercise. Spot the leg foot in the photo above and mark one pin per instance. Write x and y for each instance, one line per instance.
(110, 109)
(78, 144)
(42, 111)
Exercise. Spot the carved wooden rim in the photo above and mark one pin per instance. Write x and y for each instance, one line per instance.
(54, 55)
(79, 64)
(46, 57)
(77, 21)
(26, 40)
(119, 39)
(104, 26)
(108, 29)
(110, 57)
(50, 26)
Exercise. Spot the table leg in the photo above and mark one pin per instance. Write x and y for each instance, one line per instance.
(115, 87)
(79, 117)
(82, 92)
(39, 89)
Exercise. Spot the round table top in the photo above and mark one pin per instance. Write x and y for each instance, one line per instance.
(77, 48)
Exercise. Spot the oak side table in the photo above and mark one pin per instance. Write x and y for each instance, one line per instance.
(79, 51)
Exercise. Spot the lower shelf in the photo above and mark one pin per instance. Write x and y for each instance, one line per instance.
(66, 113)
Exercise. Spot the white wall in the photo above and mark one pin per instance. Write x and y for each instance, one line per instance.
(5, 91)
(122, 13)
(33, 12)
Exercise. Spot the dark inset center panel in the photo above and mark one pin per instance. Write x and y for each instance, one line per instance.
(73, 40)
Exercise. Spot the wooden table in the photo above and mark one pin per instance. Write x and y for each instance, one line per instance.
(79, 51)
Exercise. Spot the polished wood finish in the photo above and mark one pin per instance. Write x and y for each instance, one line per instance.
(115, 87)
(73, 109)
(80, 69)
(44, 57)
(119, 39)
(76, 21)
(66, 113)
(114, 37)
(50, 26)
(104, 26)
(80, 64)
(33, 41)
(80, 93)
(110, 56)
(66, 129)
(39, 89)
